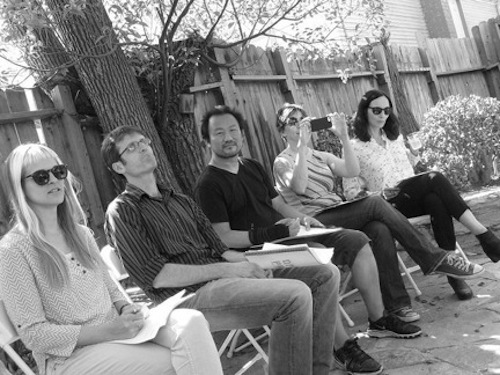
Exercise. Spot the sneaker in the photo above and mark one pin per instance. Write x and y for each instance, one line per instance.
(457, 267)
(406, 314)
(352, 359)
(391, 326)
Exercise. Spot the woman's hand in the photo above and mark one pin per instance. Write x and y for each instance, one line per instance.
(129, 323)
(304, 133)
(339, 125)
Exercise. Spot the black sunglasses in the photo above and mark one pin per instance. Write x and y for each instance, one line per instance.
(42, 177)
(378, 110)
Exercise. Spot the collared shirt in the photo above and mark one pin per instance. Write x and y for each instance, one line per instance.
(380, 166)
(149, 232)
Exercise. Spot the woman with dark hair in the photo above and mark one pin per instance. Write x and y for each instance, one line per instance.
(305, 178)
(386, 165)
(60, 296)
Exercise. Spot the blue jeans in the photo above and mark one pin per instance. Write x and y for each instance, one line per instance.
(383, 223)
(300, 304)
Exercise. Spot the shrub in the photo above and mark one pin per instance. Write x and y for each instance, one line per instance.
(460, 136)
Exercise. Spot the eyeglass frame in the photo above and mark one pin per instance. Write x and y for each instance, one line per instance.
(133, 146)
(59, 175)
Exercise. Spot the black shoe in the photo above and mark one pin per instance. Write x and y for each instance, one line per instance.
(462, 290)
(391, 326)
(490, 244)
(352, 359)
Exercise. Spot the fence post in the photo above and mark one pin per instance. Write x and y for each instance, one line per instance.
(287, 87)
(488, 56)
(432, 79)
(61, 96)
(230, 93)
(384, 81)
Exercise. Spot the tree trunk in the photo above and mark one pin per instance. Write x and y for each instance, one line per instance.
(407, 121)
(179, 132)
(106, 75)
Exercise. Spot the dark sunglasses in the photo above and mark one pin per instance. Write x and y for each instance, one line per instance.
(292, 121)
(42, 177)
(378, 110)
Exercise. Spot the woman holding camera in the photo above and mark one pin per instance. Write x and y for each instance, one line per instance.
(305, 178)
(60, 296)
(385, 164)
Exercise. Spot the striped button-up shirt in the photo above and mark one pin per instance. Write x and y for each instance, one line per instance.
(149, 232)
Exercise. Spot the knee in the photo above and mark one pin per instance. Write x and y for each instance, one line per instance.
(376, 229)
(438, 179)
(300, 293)
(365, 257)
(188, 318)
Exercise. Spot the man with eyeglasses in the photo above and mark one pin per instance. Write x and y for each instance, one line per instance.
(167, 244)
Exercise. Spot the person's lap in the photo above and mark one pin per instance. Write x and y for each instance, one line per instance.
(117, 359)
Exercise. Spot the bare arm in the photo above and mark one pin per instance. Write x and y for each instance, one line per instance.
(235, 239)
(349, 165)
(297, 179)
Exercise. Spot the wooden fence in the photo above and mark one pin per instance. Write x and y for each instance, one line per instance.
(259, 82)
(30, 116)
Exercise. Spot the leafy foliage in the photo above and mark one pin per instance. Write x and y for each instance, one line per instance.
(460, 135)
(314, 27)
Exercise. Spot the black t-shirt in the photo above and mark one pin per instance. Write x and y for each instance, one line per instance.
(242, 199)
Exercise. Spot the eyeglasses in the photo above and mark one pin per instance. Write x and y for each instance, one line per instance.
(42, 177)
(135, 145)
(378, 110)
(292, 121)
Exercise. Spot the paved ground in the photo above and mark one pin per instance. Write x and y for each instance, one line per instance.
(459, 337)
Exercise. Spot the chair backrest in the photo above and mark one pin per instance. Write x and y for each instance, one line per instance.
(114, 263)
(8, 333)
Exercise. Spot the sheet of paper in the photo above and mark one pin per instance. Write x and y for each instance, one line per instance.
(157, 317)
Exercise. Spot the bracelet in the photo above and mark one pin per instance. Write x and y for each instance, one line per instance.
(120, 310)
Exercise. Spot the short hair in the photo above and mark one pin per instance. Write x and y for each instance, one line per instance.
(69, 212)
(220, 110)
(391, 126)
(285, 112)
(109, 151)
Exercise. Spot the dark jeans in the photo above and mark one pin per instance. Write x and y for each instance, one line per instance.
(432, 194)
(383, 223)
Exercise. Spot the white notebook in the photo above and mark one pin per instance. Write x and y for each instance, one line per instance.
(274, 256)
(157, 317)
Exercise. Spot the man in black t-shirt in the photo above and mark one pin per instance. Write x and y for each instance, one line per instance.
(239, 199)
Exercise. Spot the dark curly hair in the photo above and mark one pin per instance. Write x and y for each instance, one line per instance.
(360, 125)
(284, 112)
(219, 110)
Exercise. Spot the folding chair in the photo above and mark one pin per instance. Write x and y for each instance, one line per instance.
(116, 268)
(231, 342)
(8, 335)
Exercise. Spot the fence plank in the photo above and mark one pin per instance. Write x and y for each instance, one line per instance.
(76, 146)
(17, 102)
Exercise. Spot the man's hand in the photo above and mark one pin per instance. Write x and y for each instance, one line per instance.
(247, 270)
(292, 224)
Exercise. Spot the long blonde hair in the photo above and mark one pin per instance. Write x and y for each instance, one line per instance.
(69, 214)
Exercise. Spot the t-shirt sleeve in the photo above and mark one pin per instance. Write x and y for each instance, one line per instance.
(210, 196)
(268, 183)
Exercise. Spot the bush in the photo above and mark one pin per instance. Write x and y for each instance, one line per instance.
(460, 137)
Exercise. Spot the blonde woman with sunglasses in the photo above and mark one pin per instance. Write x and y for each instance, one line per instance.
(60, 297)
(386, 165)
